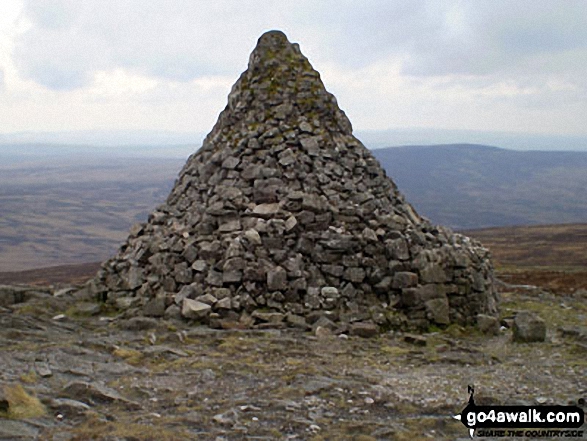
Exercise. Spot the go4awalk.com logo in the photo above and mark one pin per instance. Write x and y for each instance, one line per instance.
(522, 421)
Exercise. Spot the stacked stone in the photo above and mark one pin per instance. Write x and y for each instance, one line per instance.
(283, 216)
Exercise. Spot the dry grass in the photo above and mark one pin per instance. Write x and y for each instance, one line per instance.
(553, 257)
(21, 404)
(562, 247)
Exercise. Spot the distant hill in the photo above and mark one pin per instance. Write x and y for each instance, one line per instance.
(72, 204)
(473, 186)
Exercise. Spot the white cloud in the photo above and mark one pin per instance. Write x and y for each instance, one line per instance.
(131, 64)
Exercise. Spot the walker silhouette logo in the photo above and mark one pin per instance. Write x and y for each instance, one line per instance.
(517, 421)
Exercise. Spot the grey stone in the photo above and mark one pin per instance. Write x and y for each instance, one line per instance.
(87, 308)
(208, 299)
(488, 324)
(232, 225)
(11, 430)
(192, 309)
(323, 333)
(417, 340)
(253, 237)
(155, 307)
(330, 292)
(173, 312)
(270, 317)
(333, 270)
(364, 329)
(324, 322)
(277, 279)
(296, 321)
(224, 303)
(266, 210)
(199, 266)
(528, 328)
(69, 408)
(433, 273)
(135, 278)
(438, 310)
(96, 393)
(290, 223)
(231, 162)
(355, 275)
(139, 324)
(404, 279)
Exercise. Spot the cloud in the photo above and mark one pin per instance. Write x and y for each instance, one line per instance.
(68, 40)
(455, 64)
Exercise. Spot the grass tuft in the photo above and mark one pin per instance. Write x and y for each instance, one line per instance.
(21, 404)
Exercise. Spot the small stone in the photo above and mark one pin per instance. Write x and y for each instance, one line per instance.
(253, 237)
(330, 292)
(192, 309)
(43, 370)
(88, 309)
(227, 227)
(354, 274)
(155, 307)
(324, 322)
(487, 324)
(199, 266)
(404, 279)
(277, 279)
(290, 223)
(364, 329)
(322, 333)
(69, 408)
(433, 273)
(96, 393)
(269, 317)
(266, 210)
(416, 340)
(208, 299)
(224, 303)
(224, 419)
(305, 127)
(296, 321)
(438, 310)
(173, 312)
(230, 163)
(139, 324)
(63, 292)
(370, 235)
(528, 328)
(310, 145)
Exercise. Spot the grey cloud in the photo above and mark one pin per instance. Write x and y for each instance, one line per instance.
(182, 40)
(498, 37)
(177, 40)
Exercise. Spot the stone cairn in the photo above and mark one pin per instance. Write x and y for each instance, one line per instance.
(283, 217)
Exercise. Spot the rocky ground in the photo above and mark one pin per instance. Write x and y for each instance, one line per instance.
(72, 370)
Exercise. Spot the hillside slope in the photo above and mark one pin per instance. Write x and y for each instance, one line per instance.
(473, 186)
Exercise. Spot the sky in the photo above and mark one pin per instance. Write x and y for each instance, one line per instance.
(168, 65)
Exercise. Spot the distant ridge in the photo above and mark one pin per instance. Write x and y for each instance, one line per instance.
(475, 186)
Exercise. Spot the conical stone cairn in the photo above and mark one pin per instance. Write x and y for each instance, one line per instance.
(283, 218)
